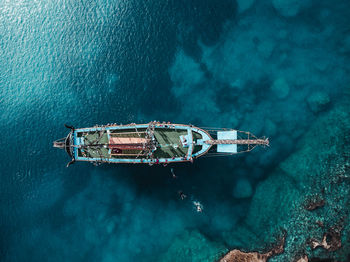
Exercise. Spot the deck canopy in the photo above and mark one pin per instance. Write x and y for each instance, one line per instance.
(128, 142)
(227, 135)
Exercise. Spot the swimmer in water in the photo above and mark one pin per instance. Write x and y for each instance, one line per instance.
(182, 195)
(198, 206)
(172, 173)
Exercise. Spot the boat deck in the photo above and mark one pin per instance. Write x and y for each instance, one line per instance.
(153, 143)
(97, 144)
(169, 143)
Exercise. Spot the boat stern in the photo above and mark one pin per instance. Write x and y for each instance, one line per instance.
(65, 143)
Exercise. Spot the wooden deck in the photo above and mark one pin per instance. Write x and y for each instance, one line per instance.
(168, 144)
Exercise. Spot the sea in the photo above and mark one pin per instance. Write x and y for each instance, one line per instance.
(271, 67)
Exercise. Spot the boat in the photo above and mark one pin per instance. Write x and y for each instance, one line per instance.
(154, 143)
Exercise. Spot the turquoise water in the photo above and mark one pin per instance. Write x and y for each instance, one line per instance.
(275, 68)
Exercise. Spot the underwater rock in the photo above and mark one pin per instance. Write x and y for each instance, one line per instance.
(314, 203)
(316, 146)
(282, 34)
(193, 246)
(303, 259)
(237, 255)
(270, 195)
(244, 5)
(185, 73)
(322, 64)
(289, 8)
(345, 45)
(331, 240)
(265, 48)
(270, 128)
(279, 201)
(319, 223)
(187, 77)
(243, 189)
(286, 8)
(237, 84)
(318, 101)
(240, 237)
(280, 87)
(254, 122)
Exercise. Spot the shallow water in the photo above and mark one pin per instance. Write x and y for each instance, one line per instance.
(207, 63)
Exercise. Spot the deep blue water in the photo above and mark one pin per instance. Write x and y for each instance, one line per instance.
(209, 63)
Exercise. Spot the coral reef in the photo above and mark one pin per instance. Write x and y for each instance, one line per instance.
(237, 255)
(242, 189)
(331, 239)
(244, 5)
(193, 246)
(304, 258)
(314, 203)
(280, 87)
(289, 8)
(318, 101)
(305, 195)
